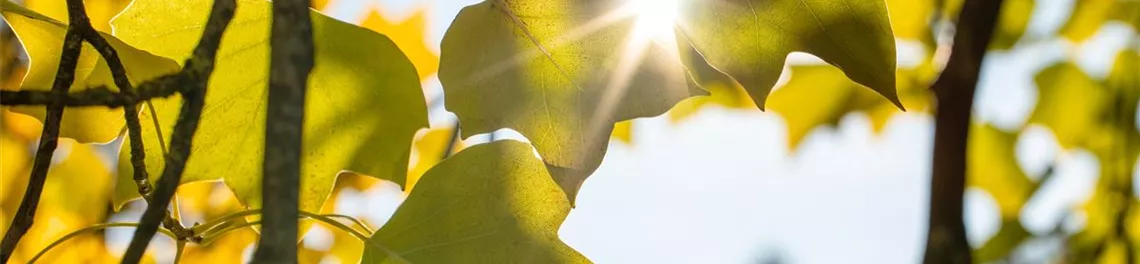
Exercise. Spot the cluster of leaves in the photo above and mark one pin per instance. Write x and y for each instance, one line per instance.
(562, 73)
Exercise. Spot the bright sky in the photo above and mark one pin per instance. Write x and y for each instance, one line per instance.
(721, 188)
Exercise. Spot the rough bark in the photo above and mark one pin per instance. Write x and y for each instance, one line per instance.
(291, 60)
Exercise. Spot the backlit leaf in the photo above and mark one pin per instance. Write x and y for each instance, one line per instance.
(42, 38)
(560, 73)
(749, 40)
(490, 203)
(1089, 15)
(363, 108)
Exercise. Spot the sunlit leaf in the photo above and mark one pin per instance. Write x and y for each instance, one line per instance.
(363, 108)
(99, 12)
(410, 35)
(992, 166)
(491, 203)
(560, 73)
(75, 196)
(1089, 16)
(820, 95)
(1012, 22)
(749, 40)
(1069, 103)
(42, 38)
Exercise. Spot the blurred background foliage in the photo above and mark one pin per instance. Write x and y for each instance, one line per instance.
(1094, 113)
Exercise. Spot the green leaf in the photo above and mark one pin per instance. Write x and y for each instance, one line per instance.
(992, 166)
(559, 72)
(1014, 19)
(1090, 15)
(42, 39)
(1069, 103)
(363, 109)
(490, 203)
(749, 40)
(820, 95)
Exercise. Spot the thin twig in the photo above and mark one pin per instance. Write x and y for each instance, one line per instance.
(88, 229)
(134, 128)
(49, 137)
(946, 235)
(163, 86)
(452, 139)
(196, 76)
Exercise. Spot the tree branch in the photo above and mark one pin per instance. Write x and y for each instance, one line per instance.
(946, 237)
(291, 60)
(163, 86)
(195, 76)
(49, 137)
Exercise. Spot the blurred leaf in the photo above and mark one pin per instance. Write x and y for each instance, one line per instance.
(429, 150)
(74, 196)
(623, 131)
(560, 73)
(42, 38)
(491, 203)
(999, 247)
(1089, 15)
(910, 19)
(1014, 19)
(750, 40)
(992, 166)
(1069, 103)
(364, 105)
(410, 36)
(803, 109)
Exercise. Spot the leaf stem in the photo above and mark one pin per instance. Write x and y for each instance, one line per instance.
(91, 229)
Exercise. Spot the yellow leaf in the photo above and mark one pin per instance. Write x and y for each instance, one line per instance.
(99, 12)
(1089, 15)
(428, 150)
(560, 73)
(363, 108)
(490, 203)
(992, 166)
(1069, 103)
(623, 131)
(750, 40)
(409, 35)
(42, 38)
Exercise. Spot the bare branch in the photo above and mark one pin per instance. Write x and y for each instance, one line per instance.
(291, 61)
(946, 237)
(196, 73)
(49, 137)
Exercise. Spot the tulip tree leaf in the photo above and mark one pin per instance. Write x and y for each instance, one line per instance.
(560, 73)
(42, 39)
(490, 203)
(749, 40)
(363, 108)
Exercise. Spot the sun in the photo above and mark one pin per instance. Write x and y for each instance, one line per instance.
(655, 18)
